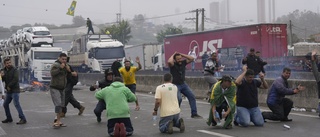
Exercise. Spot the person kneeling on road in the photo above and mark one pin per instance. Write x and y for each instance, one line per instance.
(166, 99)
(101, 105)
(222, 98)
(276, 101)
(116, 97)
(247, 98)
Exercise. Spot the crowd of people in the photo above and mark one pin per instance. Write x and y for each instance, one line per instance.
(234, 100)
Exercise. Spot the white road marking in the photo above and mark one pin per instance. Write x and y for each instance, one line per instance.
(297, 114)
(2, 132)
(214, 133)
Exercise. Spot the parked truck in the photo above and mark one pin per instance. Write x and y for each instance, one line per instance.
(269, 39)
(302, 48)
(97, 51)
(33, 63)
(148, 54)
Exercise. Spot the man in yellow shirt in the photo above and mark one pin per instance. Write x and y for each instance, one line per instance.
(128, 75)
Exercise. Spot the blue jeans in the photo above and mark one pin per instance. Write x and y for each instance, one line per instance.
(164, 122)
(7, 101)
(239, 62)
(192, 65)
(186, 91)
(101, 105)
(244, 116)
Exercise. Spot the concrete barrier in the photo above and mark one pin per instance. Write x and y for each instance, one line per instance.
(147, 83)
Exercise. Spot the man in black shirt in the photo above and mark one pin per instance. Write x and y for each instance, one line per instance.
(247, 98)
(101, 105)
(72, 80)
(253, 62)
(178, 70)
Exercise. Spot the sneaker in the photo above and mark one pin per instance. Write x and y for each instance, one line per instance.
(7, 121)
(98, 119)
(123, 132)
(81, 110)
(170, 127)
(182, 127)
(196, 116)
(235, 123)
(116, 131)
(286, 120)
(22, 121)
(229, 126)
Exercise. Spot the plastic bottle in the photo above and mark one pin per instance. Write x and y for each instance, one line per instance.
(222, 113)
(154, 120)
(97, 83)
(218, 118)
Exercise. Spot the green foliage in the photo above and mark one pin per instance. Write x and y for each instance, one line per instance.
(78, 21)
(304, 23)
(169, 31)
(138, 20)
(2, 29)
(120, 32)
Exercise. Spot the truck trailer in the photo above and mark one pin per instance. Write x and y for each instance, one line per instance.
(147, 54)
(269, 39)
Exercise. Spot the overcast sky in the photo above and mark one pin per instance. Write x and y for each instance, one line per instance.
(18, 12)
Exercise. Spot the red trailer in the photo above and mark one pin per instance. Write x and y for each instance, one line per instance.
(269, 39)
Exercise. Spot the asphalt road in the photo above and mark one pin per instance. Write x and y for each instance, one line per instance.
(39, 111)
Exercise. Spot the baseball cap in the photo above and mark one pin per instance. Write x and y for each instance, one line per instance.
(108, 71)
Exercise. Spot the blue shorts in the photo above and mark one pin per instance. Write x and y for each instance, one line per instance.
(132, 87)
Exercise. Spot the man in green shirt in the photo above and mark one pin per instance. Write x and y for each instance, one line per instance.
(116, 97)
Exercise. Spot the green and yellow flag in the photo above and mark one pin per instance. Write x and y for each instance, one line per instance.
(72, 8)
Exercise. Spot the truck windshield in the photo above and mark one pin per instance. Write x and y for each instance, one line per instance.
(109, 53)
(46, 55)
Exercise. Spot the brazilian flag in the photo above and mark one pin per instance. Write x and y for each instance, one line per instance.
(72, 8)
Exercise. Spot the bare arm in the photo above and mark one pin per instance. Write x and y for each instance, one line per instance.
(188, 57)
(264, 84)
(240, 77)
(214, 111)
(138, 62)
(171, 60)
(314, 66)
(156, 106)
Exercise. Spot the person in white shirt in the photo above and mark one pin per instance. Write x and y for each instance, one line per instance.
(166, 99)
(194, 55)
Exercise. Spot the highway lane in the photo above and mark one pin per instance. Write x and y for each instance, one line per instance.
(39, 111)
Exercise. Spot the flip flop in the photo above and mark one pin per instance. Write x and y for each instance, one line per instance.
(63, 125)
(137, 108)
(56, 125)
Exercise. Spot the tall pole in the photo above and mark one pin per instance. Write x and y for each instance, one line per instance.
(197, 19)
(305, 34)
(290, 27)
(120, 11)
(202, 19)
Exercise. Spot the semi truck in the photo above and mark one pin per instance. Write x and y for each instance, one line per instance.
(269, 39)
(302, 48)
(97, 51)
(148, 54)
(33, 63)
